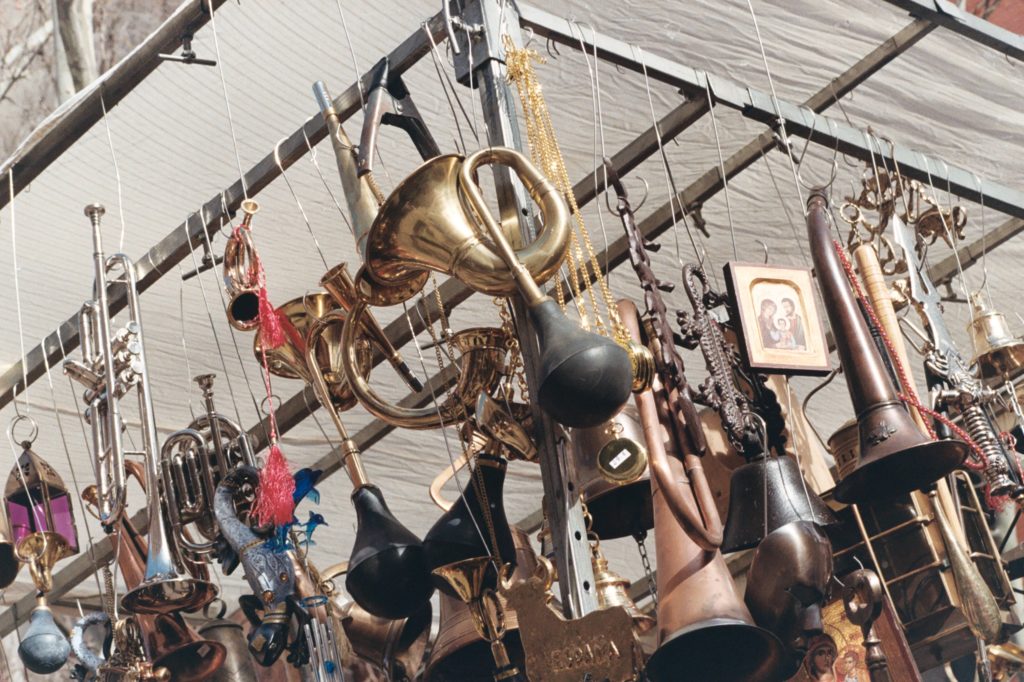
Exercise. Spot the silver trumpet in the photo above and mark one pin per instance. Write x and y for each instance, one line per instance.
(113, 365)
(193, 462)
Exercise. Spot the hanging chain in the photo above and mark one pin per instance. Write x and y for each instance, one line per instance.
(641, 546)
(547, 155)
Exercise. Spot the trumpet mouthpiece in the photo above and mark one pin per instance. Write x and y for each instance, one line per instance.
(95, 210)
(323, 98)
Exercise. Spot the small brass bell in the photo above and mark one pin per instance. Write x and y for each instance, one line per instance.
(611, 591)
(998, 353)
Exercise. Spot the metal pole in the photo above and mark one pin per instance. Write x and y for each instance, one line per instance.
(481, 64)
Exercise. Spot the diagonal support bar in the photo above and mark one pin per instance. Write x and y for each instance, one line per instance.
(761, 106)
(169, 251)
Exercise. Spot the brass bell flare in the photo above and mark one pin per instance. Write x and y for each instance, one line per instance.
(465, 577)
(464, 531)
(172, 644)
(160, 595)
(42, 550)
(611, 589)
(388, 573)
(997, 352)
(610, 461)
(719, 649)
(585, 378)
(44, 649)
(425, 225)
(779, 481)
(289, 359)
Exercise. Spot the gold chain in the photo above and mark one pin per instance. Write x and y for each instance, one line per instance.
(547, 155)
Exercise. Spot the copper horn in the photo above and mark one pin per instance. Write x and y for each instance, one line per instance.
(168, 641)
(895, 457)
(702, 623)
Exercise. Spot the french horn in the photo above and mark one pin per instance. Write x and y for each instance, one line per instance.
(584, 378)
(894, 456)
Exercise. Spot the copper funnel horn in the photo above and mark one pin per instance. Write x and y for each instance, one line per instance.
(702, 624)
(895, 457)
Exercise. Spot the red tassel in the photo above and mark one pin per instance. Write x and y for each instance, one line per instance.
(274, 495)
(271, 333)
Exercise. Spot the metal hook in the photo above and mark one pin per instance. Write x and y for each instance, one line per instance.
(552, 49)
(32, 434)
(265, 408)
(765, 247)
(636, 209)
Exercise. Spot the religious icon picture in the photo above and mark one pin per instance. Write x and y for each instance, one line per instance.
(779, 324)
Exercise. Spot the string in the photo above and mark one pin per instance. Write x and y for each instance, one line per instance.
(443, 76)
(71, 467)
(797, 237)
(184, 344)
(17, 294)
(298, 204)
(721, 167)
(778, 109)
(673, 196)
(949, 232)
(595, 96)
(984, 243)
(117, 172)
(323, 180)
(227, 100)
(352, 52)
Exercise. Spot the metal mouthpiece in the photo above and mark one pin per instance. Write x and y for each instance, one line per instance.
(94, 211)
(323, 98)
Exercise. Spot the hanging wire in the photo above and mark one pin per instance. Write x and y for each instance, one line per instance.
(298, 204)
(323, 180)
(443, 76)
(797, 237)
(984, 244)
(949, 233)
(117, 173)
(673, 198)
(227, 100)
(352, 52)
(184, 344)
(778, 109)
(721, 166)
(17, 292)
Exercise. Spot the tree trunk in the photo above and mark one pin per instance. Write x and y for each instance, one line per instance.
(75, 56)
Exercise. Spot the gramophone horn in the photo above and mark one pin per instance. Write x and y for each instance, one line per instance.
(778, 482)
(457, 534)
(388, 573)
(610, 460)
(895, 457)
(998, 353)
(44, 649)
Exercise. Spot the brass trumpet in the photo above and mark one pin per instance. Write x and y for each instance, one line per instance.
(115, 364)
(240, 279)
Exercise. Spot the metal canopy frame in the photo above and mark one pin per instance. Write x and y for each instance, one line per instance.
(803, 120)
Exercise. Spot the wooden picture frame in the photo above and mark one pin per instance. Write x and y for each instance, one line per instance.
(780, 327)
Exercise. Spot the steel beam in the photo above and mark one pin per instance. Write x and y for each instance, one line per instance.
(169, 251)
(761, 106)
(949, 16)
(74, 118)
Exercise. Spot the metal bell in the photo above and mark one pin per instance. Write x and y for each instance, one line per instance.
(998, 353)
(611, 592)
(777, 482)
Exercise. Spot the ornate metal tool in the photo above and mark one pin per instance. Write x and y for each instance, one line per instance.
(956, 387)
(862, 600)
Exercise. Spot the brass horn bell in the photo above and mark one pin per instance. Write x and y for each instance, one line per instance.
(998, 353)
(243, 306)
(778, 482)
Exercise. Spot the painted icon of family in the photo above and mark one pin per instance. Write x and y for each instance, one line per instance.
(781, 327)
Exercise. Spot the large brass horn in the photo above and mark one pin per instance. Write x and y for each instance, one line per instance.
(702, 623)
(895, 457)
